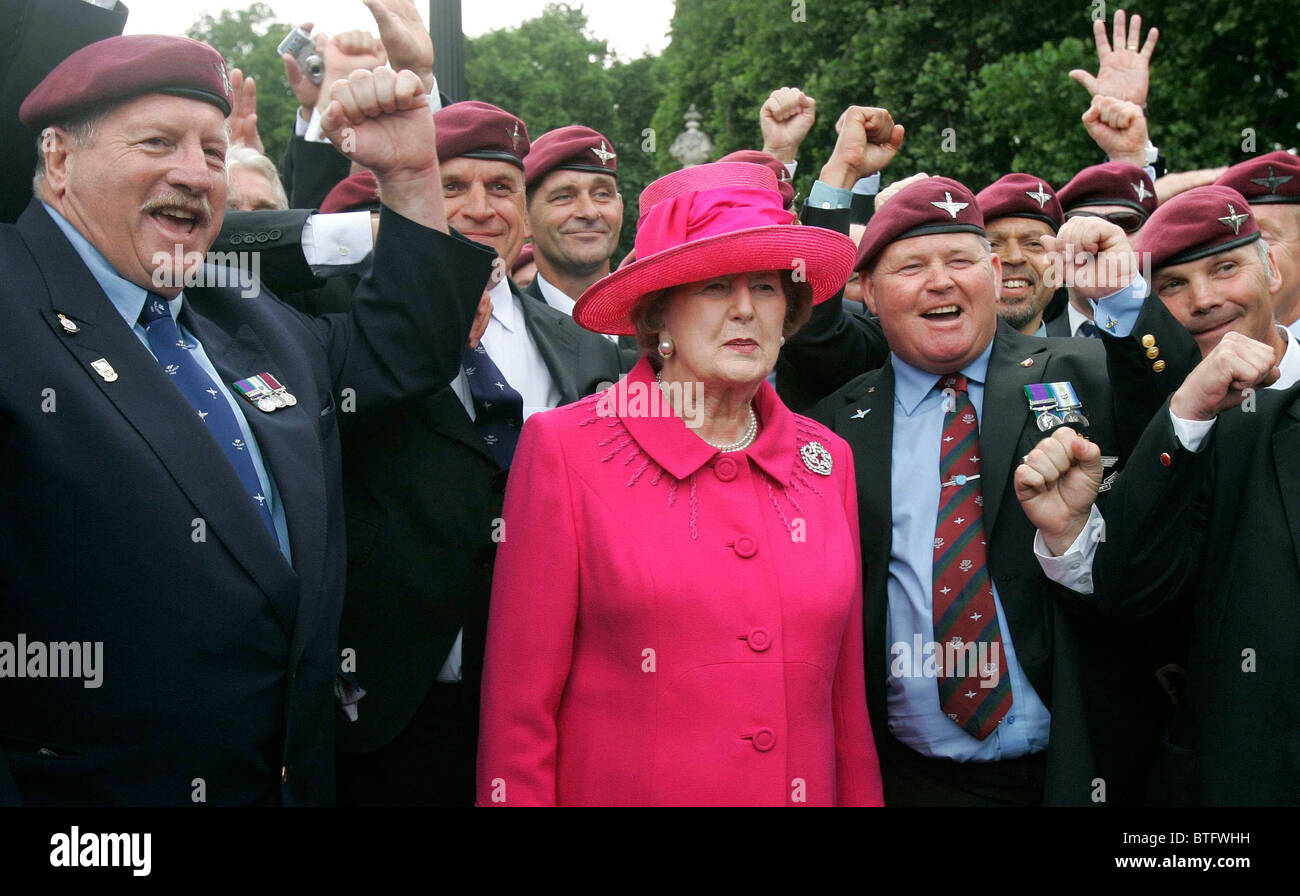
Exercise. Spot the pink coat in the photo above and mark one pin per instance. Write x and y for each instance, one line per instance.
(672, 625)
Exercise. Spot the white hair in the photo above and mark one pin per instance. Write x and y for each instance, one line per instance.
(240, 154)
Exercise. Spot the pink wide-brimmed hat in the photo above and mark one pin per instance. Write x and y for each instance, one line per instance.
(712, 220)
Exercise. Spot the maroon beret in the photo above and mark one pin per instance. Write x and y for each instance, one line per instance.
(1021, 196)
(119, 68)
(1272, 177)
(477, 130)
(573, 148)
(784, 182)
(1114, 183)
(1195, 224)
(358, 191)
(932, 205)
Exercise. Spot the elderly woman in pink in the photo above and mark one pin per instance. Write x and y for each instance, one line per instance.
(677, 604)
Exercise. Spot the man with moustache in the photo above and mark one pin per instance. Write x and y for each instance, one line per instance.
(424, 485)
(176, 494)
(1019, 210)
(1271, 184)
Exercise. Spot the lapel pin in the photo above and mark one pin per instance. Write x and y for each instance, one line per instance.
(105, 370)
(816, 458)
(68, 326)
(1028, 362)
(871, 389)
(860, 413)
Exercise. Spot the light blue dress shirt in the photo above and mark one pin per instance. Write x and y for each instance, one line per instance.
(129, 299)
(915, 717)
(1118, 312)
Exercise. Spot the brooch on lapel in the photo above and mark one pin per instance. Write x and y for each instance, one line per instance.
(816, 458)
(1055, 404)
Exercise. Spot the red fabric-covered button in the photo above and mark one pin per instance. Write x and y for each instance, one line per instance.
(1165, 459)
(725, 469)
(745, 547)
(759, 640)
(764, 739)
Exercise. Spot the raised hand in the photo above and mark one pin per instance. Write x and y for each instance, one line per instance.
(345, 53)
(785, 119)
(381, 121)
(1119, 128)
(1057, 484)
(243, 111)
(404, 37)
(1123, 70)
(1220, 381)
(1091, 256)
(868, 142)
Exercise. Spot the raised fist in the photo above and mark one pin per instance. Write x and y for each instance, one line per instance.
(785, 119)
(1057, 484)
(868, 142)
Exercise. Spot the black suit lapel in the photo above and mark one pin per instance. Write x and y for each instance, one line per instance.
(448, 416)
(866, 422)
(158, 411)
(561, 352)
(1006, 411)
(1286, 452)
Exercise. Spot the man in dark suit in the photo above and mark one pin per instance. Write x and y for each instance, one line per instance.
(423, 486)
(929, 277)
(172, 493)
(1207, 482)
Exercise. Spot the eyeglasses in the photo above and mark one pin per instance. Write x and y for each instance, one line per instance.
(1129, 222)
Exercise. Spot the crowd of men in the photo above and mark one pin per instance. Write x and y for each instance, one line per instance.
(291, 585)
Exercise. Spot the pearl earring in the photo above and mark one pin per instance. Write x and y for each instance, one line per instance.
(666, 348)
(783, 340)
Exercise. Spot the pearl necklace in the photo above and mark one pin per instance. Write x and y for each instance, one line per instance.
(740, 444)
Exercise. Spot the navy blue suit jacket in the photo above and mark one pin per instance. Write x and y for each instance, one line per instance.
(118, 526)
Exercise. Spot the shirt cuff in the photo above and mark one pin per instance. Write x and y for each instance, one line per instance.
(792, 167)
(868, 186)
(1191, 433)
(1073, 569)
(823, 195)
(1119, 313)
(332, 244)
(300, 126)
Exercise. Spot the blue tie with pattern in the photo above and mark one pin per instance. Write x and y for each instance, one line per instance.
(173, 352)
(498, 409)
(1088, 330)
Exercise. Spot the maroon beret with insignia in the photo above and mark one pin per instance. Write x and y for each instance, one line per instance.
(1195, 224)
(1114, 183)
(933, 205)
(120, 68)
(1272, 177)
(353, 193)
(572, 148)
(477, 130)
(1021, 196)
(755, 157)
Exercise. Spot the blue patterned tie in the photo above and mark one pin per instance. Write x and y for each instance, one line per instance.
(498, 409)
(174, 355)
(1088, 330)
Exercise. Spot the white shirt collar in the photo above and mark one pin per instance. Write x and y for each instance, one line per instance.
(1289, 366)
(503, 305)
(554, 297)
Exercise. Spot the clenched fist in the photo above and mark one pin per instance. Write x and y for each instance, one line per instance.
(1219, 382)
(785, 120)
(1057, 484)
(1091, 256)
(868, 142)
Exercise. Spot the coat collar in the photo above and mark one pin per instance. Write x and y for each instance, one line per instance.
(664, 436)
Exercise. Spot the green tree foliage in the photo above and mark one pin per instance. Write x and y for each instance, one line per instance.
(981, 88)
(248, 38)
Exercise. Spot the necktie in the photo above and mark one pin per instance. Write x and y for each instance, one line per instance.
(969, 643)
(498, 409)
(1088, 330)
(173, 353)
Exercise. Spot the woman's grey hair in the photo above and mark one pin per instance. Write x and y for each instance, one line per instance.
(240, 154)
(648, 315)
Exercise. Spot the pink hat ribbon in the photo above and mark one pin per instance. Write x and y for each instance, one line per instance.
(698, 214)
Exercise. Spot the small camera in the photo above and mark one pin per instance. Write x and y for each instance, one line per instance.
(300, 45)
